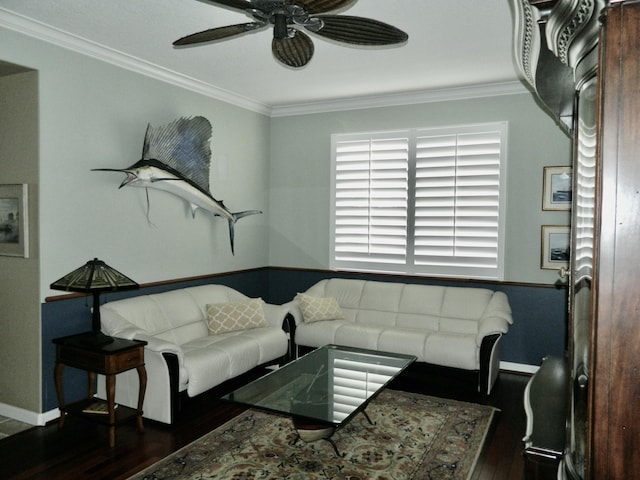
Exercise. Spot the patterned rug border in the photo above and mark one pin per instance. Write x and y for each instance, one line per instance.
(147, 473)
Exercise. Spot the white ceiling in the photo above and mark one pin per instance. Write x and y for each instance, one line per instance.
(452, 43)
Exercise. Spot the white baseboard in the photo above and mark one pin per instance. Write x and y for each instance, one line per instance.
(27, 416)
(49, 416)
(518, 367)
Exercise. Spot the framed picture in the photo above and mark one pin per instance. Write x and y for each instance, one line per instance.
(556, 247)
(14, 221)
(557, 188)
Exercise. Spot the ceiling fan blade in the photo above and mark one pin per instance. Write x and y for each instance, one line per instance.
(359, 30)
(219, 33)
(293, 51)
(239, 4)
(322, 6)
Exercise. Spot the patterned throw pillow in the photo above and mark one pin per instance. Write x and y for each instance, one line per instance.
(230, 317)
(315, 309)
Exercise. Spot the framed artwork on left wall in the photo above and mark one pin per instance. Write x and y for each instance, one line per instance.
(14, 220)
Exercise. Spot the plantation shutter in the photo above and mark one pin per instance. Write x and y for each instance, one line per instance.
(457, 203)
(424, 201)
(371, 191)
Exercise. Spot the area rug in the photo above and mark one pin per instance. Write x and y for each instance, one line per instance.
(413, 437)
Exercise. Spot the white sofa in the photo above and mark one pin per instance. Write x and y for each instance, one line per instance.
(455, 327)
(181, 355)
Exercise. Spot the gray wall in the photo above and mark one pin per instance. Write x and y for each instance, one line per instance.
(300, 175)
(94, 114)
(89, 114)
(19, 282)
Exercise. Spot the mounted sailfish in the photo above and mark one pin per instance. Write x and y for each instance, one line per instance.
(176, 159)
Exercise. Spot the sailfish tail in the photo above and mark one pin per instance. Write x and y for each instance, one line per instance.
(232, 221)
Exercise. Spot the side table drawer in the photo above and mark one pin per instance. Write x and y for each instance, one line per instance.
(125, 360)
(100, 363)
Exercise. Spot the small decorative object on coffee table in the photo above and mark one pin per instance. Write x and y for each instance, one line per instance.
(107, 358)
(324, 389)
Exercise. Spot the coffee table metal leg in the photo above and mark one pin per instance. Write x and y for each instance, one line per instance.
(364, 412)
(309, 432)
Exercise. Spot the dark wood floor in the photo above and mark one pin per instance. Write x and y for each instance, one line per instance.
(80, 450)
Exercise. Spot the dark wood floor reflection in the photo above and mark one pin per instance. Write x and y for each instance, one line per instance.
(80, 449)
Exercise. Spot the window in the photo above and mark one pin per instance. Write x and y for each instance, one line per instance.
(420, 201)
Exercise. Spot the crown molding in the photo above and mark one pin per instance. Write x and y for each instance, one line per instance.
(46, 33)
(60, 38)
(399, 99)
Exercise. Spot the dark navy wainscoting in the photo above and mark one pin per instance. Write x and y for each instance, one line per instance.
(539, 314)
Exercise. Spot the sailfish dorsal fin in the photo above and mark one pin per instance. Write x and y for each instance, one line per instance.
(184, 146)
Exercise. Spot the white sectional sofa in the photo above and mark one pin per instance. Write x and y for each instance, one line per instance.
(455, 327)
(198, 337)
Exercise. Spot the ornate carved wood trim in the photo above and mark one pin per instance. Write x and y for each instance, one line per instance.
(556, 49)
(572, 29)
(543, 4)
(527, 39)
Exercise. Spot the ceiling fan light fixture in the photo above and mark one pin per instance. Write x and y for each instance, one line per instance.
(293, 51)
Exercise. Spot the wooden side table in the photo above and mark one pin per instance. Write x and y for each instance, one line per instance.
(107, 356)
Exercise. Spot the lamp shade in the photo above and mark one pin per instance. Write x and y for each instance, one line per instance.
(94, 276)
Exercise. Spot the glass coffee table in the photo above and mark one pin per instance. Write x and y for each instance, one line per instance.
(324, 389)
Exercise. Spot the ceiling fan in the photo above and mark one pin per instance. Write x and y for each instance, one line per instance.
(290, 45)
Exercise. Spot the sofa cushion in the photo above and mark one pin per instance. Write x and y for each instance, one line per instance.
(233, 316)
(404, 340)
(213, 359)
(316, 309)
(452, 350)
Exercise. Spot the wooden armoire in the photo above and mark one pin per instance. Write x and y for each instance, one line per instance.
(582, 59)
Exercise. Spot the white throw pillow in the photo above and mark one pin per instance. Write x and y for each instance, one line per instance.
(316, 309)
(234, 316)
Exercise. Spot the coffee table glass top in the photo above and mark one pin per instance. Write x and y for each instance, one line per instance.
(328, 385)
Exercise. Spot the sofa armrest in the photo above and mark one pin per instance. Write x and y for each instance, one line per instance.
(294, 310)
(154, 344)
(161, 346)
(489, 326)
(499, 307)
(496, 318)
(128, 333)
(275, 314)
(117, 326)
